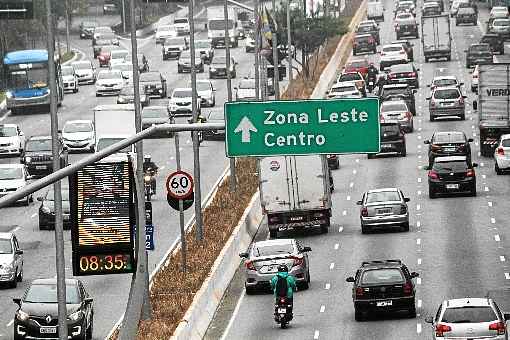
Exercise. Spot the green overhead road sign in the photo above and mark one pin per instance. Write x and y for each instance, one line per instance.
(301, 127)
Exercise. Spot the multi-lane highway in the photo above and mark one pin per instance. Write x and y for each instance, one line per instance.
(458, 245)
(110, 292)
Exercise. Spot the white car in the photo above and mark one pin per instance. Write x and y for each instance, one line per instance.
(12, 139)
(499, 12)
(206, 92)
(182, 26)
(109, 82)
(455, 7)
(101, 30)
(126, 69)
(85, 71)
(448, 80)
(393, 54)
(344, 89)
(13, 177)
(474, 80)
(502, 155)
(163, 32)
(119, 56)
(79, 135)
(11, 259)
(69, 78)
(180, 101)
(246, 90)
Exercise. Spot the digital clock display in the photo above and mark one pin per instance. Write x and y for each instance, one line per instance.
(104, 264)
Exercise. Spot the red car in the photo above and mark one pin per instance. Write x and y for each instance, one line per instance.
(357, 65)
(104, 55)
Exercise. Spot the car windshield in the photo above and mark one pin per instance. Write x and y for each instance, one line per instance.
(479, 48)
(395, 91)
(82, 66)
(109, 75)
(383, 196)
(453, 166)
(219, 60)
(505, 142)
(202, 85)
(362, 38)
(365, 28)
(452, 137)
(349, 77)
(174, 41)
(405, 16)
(67, 70)
(77, 127)
(346, 88)
(165, 28)
(149, 112)
(357, 64)
(5, 246)
(273, 249)
(89, 24)
(392, 49)
(202, 44)
(446, 94)
(64, 191)
(180, 21)
(382, 276)
(445, 82)
(8, 131)
(123, 67)
(102, 29)
(103, 143)
(182, 93)
(393, 106)
(47, 293)
(11, 173)
(247, 84)
(149, 76)
(390, 130)
(501, 22)
(472, 314)
(38, 145)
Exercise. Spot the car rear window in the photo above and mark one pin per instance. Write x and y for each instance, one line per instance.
(349, 77)
(392, 49)
(273, 249)
(505, 142)
(383, 196)
(393, 106)
(453, 137)
(479, 48)
(346, 88)
(501, 22)
(362, 38)
(469, 315)
(394, 91)
(390, 130)
(5, 246)
(445, 82)
(382, 276)
(358, 64)
(454, 166)
(401, 68)
(446, 94)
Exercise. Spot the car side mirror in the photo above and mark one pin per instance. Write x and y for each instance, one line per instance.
(461, 84)
(506, 316)
(414, 274)
(426, 142)
(40, 199)
(18, 252)
(349, 279)
(359, 202)
(407, 199)
(464, 96)
(428, 319)
(474, 165)
(306, 249)
(244, 255)
(470, 140)
(428, 98)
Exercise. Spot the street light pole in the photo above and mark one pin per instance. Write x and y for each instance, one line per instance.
(232, 160)
(258, 93)
(289, 44)
(276, 73)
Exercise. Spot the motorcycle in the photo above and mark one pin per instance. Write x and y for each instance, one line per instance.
(149, 184)
(371, 83)
(282, 311)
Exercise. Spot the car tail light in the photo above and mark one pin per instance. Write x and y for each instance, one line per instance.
(409, 115)
(282, 300)
(500, 151)
(432, 103)
(499, 327)
(298, 261)
(433, 175)
(470, 173)
(364, 212)
(359, 292)
(403, 52)
(408, 288)
(371, 40)
(392, 75)
(411, 74)
(435, 147)
(442, 328)
(460, 100)
(403, 209)
(250, 265)
(460, 147)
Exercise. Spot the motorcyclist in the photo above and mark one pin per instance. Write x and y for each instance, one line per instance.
(289, 280)
(150, 168)
(372, 73)
(382, 81)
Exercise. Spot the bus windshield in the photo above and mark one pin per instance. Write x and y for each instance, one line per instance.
(23, 76)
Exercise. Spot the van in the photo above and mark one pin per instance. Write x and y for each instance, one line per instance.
(375, 10)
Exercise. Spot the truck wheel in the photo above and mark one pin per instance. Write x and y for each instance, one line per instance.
(462, 116)
(273, 233)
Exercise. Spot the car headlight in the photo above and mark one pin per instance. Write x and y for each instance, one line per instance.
(9, 95)
(28, 159)
(121, 100)
(232, 39)
(6, 266)
(212, 69)
(75, 316)
(22, 316)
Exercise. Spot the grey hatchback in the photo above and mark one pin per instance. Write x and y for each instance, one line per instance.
(383, 207)
(447, 101)
(264, 257)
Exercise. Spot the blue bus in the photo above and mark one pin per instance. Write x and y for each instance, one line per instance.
(26, 75)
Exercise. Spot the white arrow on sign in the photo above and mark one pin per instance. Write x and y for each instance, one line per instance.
(245, 126)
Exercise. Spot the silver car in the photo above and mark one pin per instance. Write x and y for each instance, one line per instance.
(79, 135)
(11, 260)
(383, 207)
(397, 110)
(447, 101)
(13, 177)
(469, 318)
(264, 257)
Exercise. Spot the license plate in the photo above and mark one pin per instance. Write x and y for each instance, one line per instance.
(384, 303)
(268, 269)
(40, 167)
(48, 330)
(66, 217)
(298, 218)
(452, 186)
(449, 149)
(384, 211)
(448, 104)
(386, 146)
(282, 310)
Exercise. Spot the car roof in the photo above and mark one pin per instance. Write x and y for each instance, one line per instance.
(276, 242)
(6, 236)
(442, 159)
(467, 302)
(39, 137)
(381, 263)
(8, 125)
(396, 86)
(382, 190)
(78, 121)
(12, 165)
(69, 282)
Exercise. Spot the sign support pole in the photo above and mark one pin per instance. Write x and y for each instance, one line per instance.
(232, 161)
(181, 208)
(59, 233)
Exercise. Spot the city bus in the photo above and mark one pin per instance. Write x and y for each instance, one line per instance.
(26, 81)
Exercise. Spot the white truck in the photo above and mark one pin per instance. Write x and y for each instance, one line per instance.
(112, 124)
(436, 37)
(375, 10)
(295, 192)
(216, 26)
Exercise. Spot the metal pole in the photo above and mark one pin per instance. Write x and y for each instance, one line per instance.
(138, 300)
(258, 93)
(68, 47)
(289, 44)
(232, 161)
(123, 17)
(59, 233)
(276, 73)
(181, 208)
(199, 233)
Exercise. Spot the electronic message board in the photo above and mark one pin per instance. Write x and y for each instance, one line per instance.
(102, 219)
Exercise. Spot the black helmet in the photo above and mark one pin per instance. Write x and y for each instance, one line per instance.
(283, 268)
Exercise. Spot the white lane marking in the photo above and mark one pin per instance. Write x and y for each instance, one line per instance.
(340, 229)
(337, 246)
(496, 238)
(418, 241)
(482, 164)
(418, 281)
(323, 308)
(419, 167)
(316, 334)
(351, 184)
(418, 207)
(354, 171)
(33, 215)
(420, 302)
(419, 261)
(418, 224)
(484, 176)
(502, 258)
(344, 213)
(419, 192)
(327, 286)
(332, 265)
(357, 160)
(418, 328)
(507, 276)
(348, 198)
(234, 314)
(162, 167)
(489, 203)
(419, 179)
(10, 323)
(493, 220)
(486, 189)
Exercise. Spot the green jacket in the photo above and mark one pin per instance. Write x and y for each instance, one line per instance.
(291, 283)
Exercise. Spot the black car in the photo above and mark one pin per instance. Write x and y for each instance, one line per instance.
(408, 46)
(451, 174)
(156, 115)
(87, 29)
(127, 96)
(404, 74)
(393, 139)
(495, 42)
(218, 67)
(399, 92)
(37, 316)
(47, 209)
(478, 54)
(448, 143)
(405, 28)
(153, 84)
(333, 162)
(363, 43)
(214, 116)
(369, 27)
(466, 15)
(37, 155)
(383, 286)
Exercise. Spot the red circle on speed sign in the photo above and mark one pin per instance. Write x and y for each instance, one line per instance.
(179, 185)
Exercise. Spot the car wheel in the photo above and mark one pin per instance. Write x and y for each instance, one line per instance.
(412, 312)
(20, 274)
(364, 229)
(370, 155)
(497, 169)
(403, 152)
(14, 282)
(426, 59)
(405, 226)
(27, 201)
(358, 316)
(462, 116)
(273, 233)
(432, 193)
(304, 285)
(90, 331)
(249, 290)
(473, 191)
(432, 118)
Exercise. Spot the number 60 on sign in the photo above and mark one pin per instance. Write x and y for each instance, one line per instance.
(179, 185)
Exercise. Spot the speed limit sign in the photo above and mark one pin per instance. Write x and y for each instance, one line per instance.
(179, 185)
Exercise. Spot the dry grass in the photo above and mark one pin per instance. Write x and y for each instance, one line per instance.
(173, 291)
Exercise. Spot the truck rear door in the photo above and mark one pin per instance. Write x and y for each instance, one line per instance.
(309, 185)
(275, 184)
